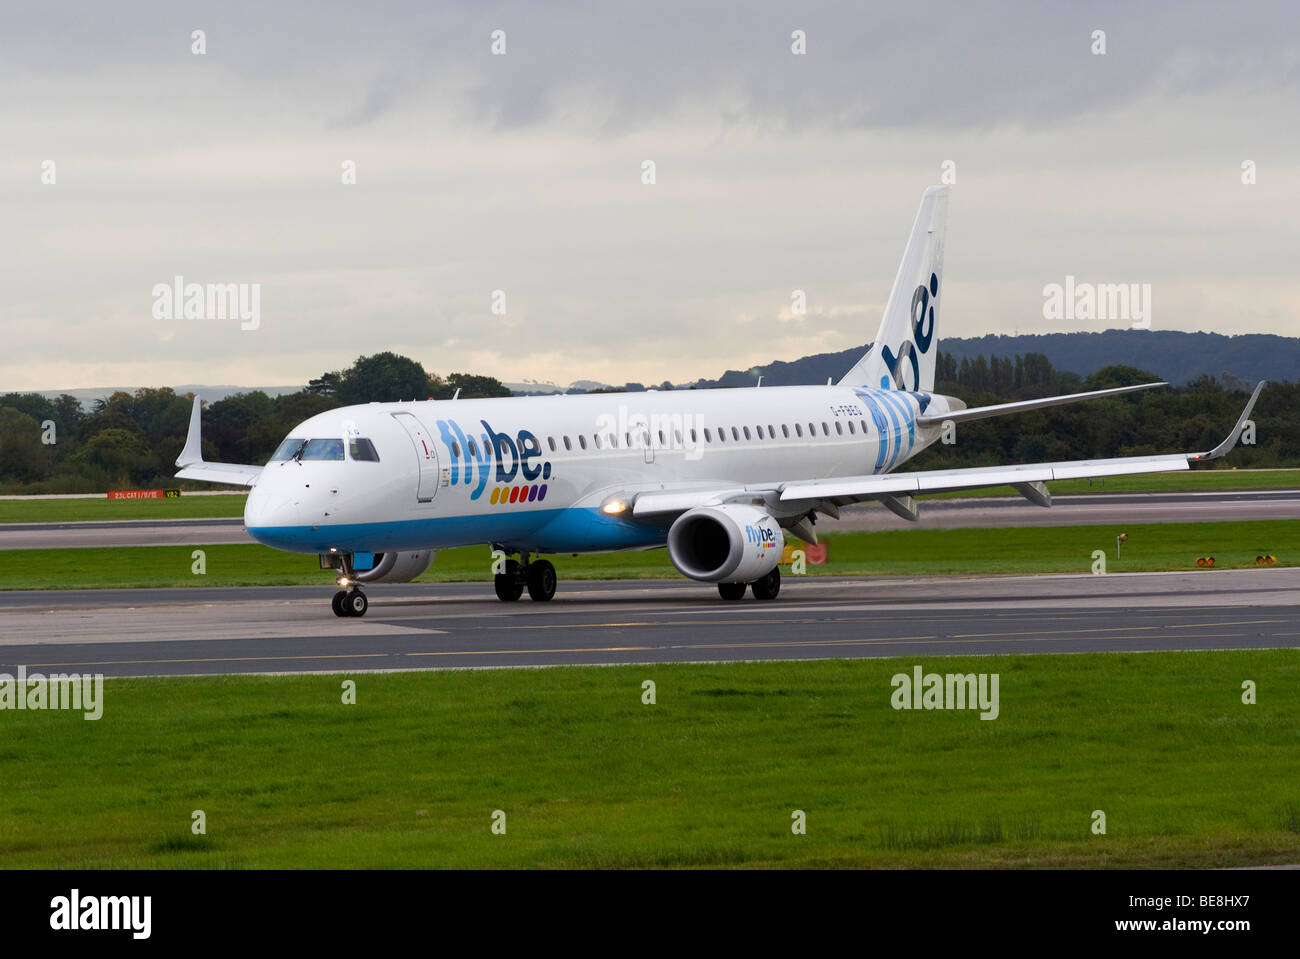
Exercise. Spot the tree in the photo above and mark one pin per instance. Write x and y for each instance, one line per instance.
(327, 384)
(472, 386)
(119, 453)
(22, 455)
(383, 378)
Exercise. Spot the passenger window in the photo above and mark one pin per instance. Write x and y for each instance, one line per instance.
(826, 430)
(852, 431)
(596, 439)
(473, 449)
(568, 445)
(785, 431)
(735, 434)
(839, 428)
(455, 449)
(362, 450)
(746, 432)
(582, 441)
(798, 430)
(551, 442)
(708, 436)
(771, 431)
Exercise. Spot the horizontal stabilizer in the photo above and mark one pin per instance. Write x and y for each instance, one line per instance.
(983, 412)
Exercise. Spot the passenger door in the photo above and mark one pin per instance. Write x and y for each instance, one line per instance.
(426, 454)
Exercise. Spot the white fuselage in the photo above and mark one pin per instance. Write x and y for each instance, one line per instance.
(532, 473)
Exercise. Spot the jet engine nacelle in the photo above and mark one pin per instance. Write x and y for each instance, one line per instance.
(725, 544)
(398, 567)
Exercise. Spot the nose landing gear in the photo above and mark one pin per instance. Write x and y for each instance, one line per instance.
(538, 576)
(349, 600)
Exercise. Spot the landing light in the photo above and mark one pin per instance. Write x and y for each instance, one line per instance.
(344, 582)
(613, 507)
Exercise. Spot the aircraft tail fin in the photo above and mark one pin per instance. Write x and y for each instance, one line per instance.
(903, 354)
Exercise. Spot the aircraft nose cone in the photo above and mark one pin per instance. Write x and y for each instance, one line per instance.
(271, 510)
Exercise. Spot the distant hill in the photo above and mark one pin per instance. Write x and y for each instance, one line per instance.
(1175, 356)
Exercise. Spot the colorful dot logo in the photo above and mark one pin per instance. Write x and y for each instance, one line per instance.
(504, 495)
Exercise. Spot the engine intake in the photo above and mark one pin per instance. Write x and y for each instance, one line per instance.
(725, 544)
(399, 567)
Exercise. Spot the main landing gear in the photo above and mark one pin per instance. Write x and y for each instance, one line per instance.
(350, 602)
(538, 577)
(764, 588)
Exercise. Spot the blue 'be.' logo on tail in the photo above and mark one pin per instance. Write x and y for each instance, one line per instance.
(922, 337)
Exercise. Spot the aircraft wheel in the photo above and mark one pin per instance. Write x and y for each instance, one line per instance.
(731, 590)
(769, 585)
(509, 585)
(541, 580)
(336, 603)
(355, 603)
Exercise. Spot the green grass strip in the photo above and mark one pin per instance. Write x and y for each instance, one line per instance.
(711, 775)
(1061, 549)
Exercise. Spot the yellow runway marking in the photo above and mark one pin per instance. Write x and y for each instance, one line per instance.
(1026, 636)
(706, 622)
(220, 659)
(810, 642)
(1117, 629)
(510, 652)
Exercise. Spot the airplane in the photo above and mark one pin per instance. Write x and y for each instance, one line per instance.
(718, 477)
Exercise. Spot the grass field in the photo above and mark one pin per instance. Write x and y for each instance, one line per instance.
(104, 509)
(709, 776)
(1061, 549)
(232, 505)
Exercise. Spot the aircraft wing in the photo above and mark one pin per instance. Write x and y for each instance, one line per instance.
(194, 467)
(232, 473)
(896, 489)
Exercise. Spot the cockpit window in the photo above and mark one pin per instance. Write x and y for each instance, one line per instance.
(286, 449)
(360, 448)
(331, 449)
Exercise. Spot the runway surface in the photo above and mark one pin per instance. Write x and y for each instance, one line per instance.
(423, 626)
(990, 512)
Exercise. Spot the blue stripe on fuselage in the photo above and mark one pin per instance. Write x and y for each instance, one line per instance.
(899, 404)
(897, 428)
(547, 531)
(882, 428)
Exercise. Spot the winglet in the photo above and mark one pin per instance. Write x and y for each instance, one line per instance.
(192, 455)
(1231, 439)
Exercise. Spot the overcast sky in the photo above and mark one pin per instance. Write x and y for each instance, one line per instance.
(522, 173)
